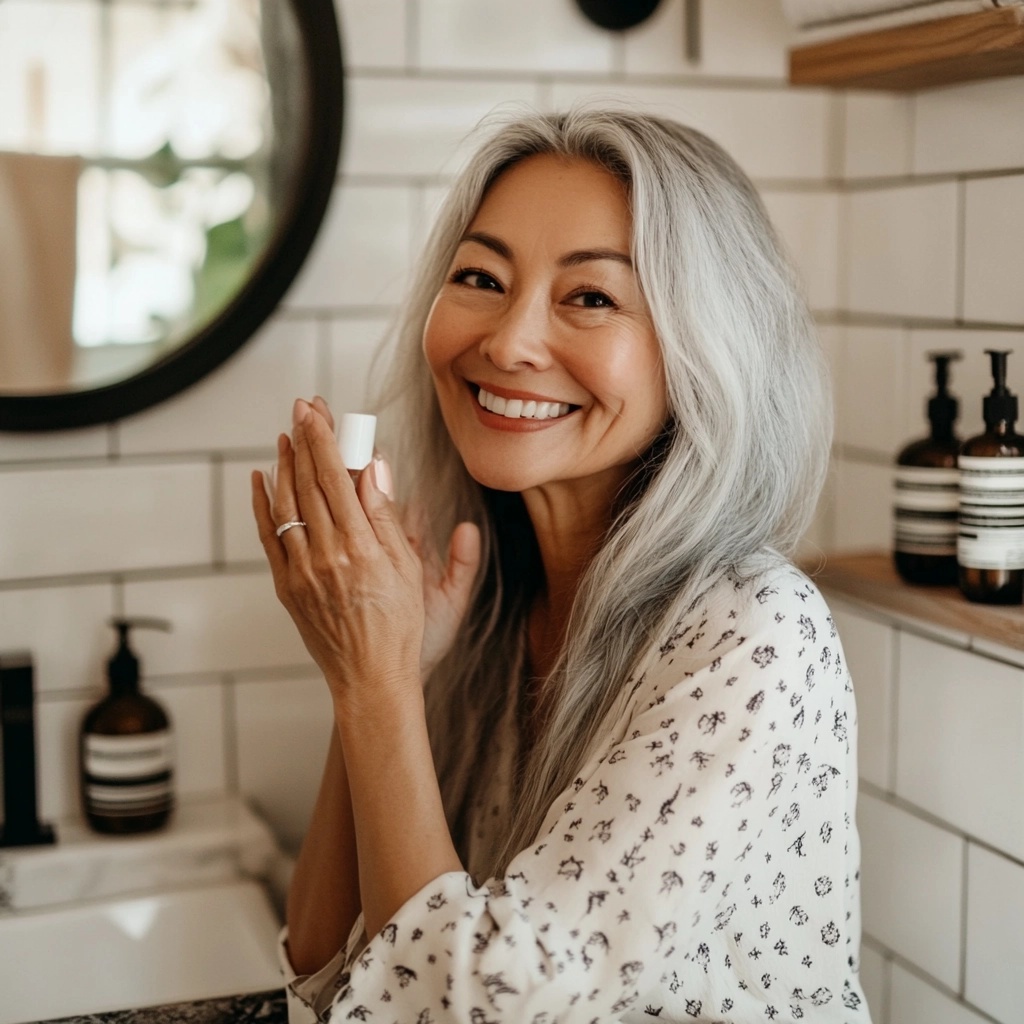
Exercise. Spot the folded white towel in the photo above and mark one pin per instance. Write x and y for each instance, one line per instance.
(807, 13)
(38, 228)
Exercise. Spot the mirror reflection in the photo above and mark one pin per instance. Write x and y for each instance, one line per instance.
(148, 149)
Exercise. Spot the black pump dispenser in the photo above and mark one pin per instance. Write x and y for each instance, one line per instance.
(123, 667)
(943, 408)
(1000, 404)
(126, 747)
(990, 546)
(927, 490)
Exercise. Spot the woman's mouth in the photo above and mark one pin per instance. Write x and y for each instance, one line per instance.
(518, 408)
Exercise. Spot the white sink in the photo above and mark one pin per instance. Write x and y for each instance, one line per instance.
(126, 952)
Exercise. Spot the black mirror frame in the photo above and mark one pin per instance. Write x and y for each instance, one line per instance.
(223, 336)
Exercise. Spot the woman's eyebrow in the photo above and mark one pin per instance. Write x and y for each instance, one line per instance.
(574, 259)
(489, 241)
(570, 259)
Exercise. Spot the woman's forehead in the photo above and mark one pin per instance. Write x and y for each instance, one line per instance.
(573, 198)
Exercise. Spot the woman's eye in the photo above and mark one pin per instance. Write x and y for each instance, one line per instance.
(592, 300)
(476, 279)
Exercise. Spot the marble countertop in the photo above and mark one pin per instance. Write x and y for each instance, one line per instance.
(255, 1008)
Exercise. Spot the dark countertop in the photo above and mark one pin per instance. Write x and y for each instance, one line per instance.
(255, 1008)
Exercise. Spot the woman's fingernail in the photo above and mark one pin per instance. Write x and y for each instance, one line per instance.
(382, 476)
(299, 410)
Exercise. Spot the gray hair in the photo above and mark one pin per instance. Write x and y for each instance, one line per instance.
(733, 477)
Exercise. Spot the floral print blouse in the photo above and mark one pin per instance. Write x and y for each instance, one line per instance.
(702, 866)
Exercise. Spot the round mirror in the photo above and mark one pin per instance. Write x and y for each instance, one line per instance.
(164, 167)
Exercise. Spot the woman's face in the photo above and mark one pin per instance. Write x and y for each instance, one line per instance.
(541, 346)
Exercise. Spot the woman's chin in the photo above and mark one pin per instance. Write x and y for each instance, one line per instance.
(504, 477)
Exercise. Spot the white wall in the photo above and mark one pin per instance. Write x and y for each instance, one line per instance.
(941, 819)
(931, 247)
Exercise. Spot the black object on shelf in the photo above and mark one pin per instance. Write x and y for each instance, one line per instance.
(21, 826)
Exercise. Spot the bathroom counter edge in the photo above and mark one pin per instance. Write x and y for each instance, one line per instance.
(870, 578)
(269, 1007)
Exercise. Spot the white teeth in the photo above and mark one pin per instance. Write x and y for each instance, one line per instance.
(517, 408)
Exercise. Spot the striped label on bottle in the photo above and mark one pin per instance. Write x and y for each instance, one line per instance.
(991, 534)
(128, 775)
(925, 508)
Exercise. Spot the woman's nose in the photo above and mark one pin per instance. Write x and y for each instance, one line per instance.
(519, 340)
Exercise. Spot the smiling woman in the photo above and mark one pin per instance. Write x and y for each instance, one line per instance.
(599, 763)
(542, 306)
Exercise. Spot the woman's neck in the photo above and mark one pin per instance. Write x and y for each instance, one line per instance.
(569, 523)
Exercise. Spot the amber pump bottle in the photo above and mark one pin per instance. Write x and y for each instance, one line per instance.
(928, 491)
(125, 750)
(990, 546)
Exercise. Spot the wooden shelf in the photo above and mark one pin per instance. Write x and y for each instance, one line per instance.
(871, 579)
(987, 44)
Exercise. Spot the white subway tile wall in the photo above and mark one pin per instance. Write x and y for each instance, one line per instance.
(960, 740)
(869, 406)
(738, 39)
(942, 872)
(877, 134)
(995, 933)
(883, 201)
(973, 127)
(912, 874)
(419, 126)
(57, 444)
(527, 36)
(772, 132)
(869, 646)
(284, 728)
(233, 405)
(994, 250)
(221, 623)
(362, 252)
(863, 505)
(373, 32)
(901, 256)
(105, 518)
(64, 628)
(808, 223)
(874, 980)
(914, 1001)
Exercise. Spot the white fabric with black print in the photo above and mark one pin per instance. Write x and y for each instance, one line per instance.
(703, 866)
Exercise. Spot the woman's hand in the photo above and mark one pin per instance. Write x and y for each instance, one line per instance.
(349, 580)
(447, 588)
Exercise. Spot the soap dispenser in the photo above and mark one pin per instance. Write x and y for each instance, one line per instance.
(126, 748)
(990, 547)
(928, 492)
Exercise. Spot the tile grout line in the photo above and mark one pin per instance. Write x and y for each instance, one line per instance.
(960, 280)
(894, 709)
(229, 706)
(964, 875)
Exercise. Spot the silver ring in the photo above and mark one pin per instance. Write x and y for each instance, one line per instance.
(285, 527)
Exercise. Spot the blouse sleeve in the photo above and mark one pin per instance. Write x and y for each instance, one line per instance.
(660, 835)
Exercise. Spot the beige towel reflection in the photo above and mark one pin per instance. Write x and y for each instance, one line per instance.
(38, 217)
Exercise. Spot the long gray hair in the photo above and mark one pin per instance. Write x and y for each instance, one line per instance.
(735, 472)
